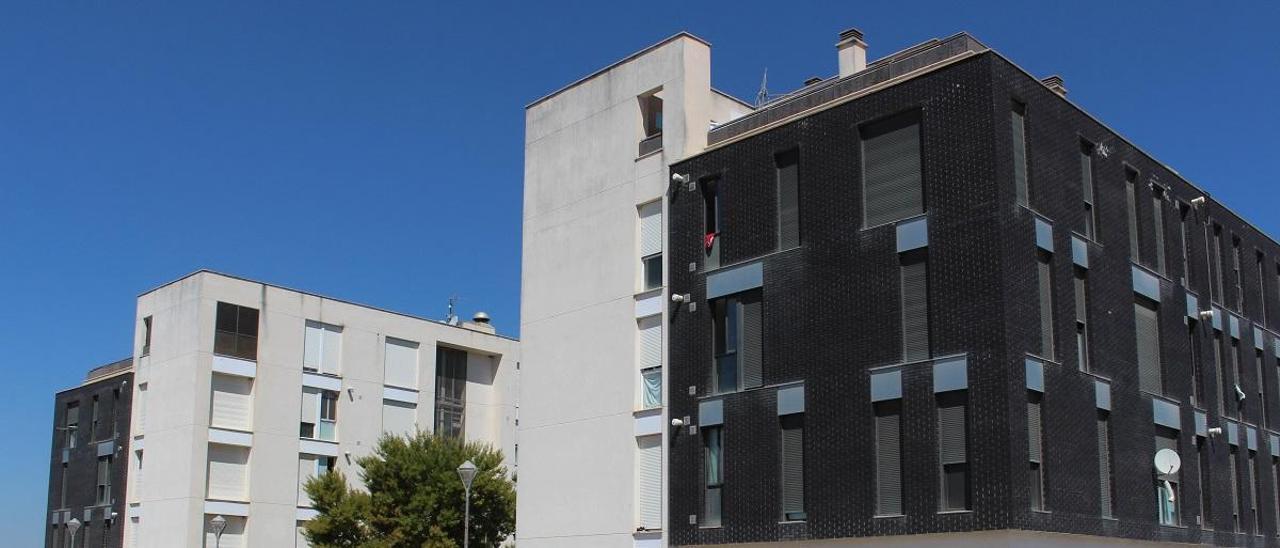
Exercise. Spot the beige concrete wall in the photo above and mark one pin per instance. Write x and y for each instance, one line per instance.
(171, 499)
(979, 539)
(579, 380)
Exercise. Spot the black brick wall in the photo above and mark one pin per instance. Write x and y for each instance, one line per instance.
(82, 463)
(832, 313)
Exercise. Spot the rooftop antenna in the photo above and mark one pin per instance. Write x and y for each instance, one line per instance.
(451, 318)
(763, 95)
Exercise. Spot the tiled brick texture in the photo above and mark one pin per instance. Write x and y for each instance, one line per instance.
(832, 314)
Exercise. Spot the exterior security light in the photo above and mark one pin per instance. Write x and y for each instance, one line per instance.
(679, 178)
(1198, 201)
(677, 298)
(677, 423)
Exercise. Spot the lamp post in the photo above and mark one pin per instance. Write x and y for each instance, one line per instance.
(218, 524)
(467, 471)
(73, 526)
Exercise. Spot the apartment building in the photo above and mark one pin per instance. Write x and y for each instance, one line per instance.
(88, 458)
(926, 301)
(596, 165)
(244, 390)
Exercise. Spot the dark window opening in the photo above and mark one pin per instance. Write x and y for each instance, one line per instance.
(713, 475)
(236, 333)
(738, 324)
(793, 467)
(1086, 190)
(892, 180)
(712, 222)
(146, 336)
(1022, 187)
(953, 450)
(888, 420)
(788, 199)
(451, 391)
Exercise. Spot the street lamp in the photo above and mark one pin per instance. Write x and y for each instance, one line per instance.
(467, 471)
(73, 526)
(218, 524)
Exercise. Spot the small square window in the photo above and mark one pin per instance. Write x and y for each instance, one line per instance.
(652, 271)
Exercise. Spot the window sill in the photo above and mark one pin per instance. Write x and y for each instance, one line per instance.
(648, 154)
(792, 521)
(888, 516)
(946, 512)
(304, 438)
(1039, 511)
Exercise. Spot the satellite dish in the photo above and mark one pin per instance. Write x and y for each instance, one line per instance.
(1167, 461)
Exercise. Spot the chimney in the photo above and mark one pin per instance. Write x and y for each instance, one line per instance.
(852, 52)
(1055, 83)
(480, 322)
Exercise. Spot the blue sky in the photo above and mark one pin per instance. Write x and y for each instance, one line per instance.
(373, 151)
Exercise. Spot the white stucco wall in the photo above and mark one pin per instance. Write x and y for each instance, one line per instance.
(171, 496)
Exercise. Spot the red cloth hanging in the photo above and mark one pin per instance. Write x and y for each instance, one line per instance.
(709, 240)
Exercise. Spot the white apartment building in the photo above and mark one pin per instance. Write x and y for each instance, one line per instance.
(592, 299)
(244, 390)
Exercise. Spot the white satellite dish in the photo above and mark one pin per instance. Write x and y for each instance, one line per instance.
(1167, 461)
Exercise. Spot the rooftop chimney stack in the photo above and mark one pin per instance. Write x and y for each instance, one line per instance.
(1055, 83)
(852, 52)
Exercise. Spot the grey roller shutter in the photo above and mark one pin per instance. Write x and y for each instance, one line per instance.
(788, 201)
(915, 311)
(1046, 306)
(792, 466)
(888, 463)
(951, 435)
(1034, 438)
(891, 177)
(1147, 333)
(1020, 155)
(1104, 465)
(752, 340)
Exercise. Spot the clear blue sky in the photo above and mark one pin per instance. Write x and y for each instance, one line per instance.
(373, 151)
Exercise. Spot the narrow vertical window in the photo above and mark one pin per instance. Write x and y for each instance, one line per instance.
(1220, 372)
(1262, 289)
(1262, 392)
(651, 245)
(792, 467)
(451, 391)
(713, 473)
(103, 493)
(738, 339)
(1035, 450)
(1105, 494)
(1184, 233)
(1045, 280)
(146, 336)
(1237, 275)
(888, 420)
(1197, 373)
(1237, 368)
(953, 450)
(115, 405)
(1218, 264)
(1157, 218)
(71, 424)
(329, 415)
(1167, 495)
(1147, 334)
(1275, 489)
(711, 221)
(649, 480)
(649, 338)
(1086, 189)
(1131, 207)
(1082, 319)
(1206, 483)
(788, 174)
(95, 419)
(1253, 492)
(892, 185)
(322, 348)
(915, 306)
(1021, 187)
(650, 122)
(1235, 487)
(236, 332)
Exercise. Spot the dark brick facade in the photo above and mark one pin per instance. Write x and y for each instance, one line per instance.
(114, 390)
(831, 313)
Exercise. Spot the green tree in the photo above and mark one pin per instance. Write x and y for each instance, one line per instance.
(414, 497)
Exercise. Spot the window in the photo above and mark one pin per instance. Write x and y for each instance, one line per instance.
(228, 472)
(1219, 372)
(231, 402)
(713, 474)
(1157, 216)
(738, 324)
(1237, 370)
(329, 415)
(400, 363)
(1253, 492)
(399, 418)
(1166, 488)
(103, 493)
(915, 306)
(953, 450)
(1022, 188)
(1131, 206)
(1275, 489)
(1082, 319)
(311, 466)
(1236, 274)
(1216, 261)
(712, 222)
(651, 245)
(788, 174)
(1197, 373)
(1105, 494)
(146, 336)
(1086, 189)
(888, 420)
(319, 414)
(1035, 451)
(451, 391)
(651, 113)
(1184, 232)
(1262, 289)
(236, 333)
(892, 185)
(1045, 280)
(1206, 483)
(1262, 392)
(649, 340)
(792, 467)
(72, 423)
(62, 488)
(649, 482)
(1235, 488)
(322, 348)
(95, 416)
(115, 411)
(1147, 334)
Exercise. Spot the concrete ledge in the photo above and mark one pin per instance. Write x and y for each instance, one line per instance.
(318, 447)
(230, 437)
(323, 382)
(234, 366)
(226, 508)
(401, 395)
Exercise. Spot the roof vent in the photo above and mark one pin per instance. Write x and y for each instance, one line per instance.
(480, 317)
(812, 80)
(480, 322)
(851, 52)
(1055, 83)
